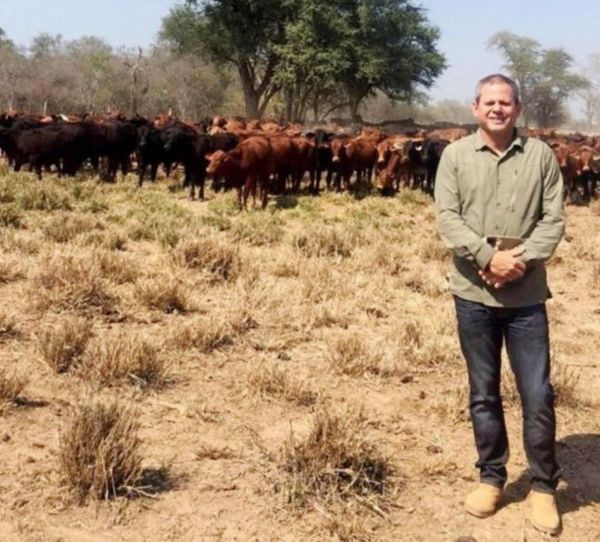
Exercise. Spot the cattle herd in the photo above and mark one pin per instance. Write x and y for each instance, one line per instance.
(258, 158)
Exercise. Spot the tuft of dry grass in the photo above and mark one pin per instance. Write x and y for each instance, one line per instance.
(8, 326)
(10, 215)
(204, 334)
(69, 280)
(113, 360)
(350, 354)
(10, 268)
(99, 449)
(62, 343)
(272, 380)
(64, 227)
(565, 381)
(332, 241)
(11, 386)
(164, 293)
(257, 228)
(209, 253)
(334, 462)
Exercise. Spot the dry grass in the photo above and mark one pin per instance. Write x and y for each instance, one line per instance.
(124, 358)
(71, 280)
(99, 449)
(332, 241)
(334, 462)
(64, 227)
(11, 216)
(11, 386)
(209, 253)
(164, 293)
(273, 380)
(257, 228)
(10, 268)
(204, 334)
(352, 355)
(8, 326)
(62, 343)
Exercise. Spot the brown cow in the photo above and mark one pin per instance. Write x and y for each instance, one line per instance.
(248, 165)
(353, 155)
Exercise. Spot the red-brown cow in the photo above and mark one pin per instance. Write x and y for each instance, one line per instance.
(354, 155)
(247, 166)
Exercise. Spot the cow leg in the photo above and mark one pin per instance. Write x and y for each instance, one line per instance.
(141, 172)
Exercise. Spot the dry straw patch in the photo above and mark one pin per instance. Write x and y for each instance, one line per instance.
(334, 462)
(351, 354)
(273, 380)
(204, 334)
(209, 253)
(11, 386)
(71, 280)
(62, 343)
(9, 328)
(99, 449)
(124, 358)
(327, 241)
(10, 268)
(257, 228)
(64, 227)
(164, 293)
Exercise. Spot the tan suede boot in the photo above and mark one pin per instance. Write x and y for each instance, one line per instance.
(543, 512)
(482, 502)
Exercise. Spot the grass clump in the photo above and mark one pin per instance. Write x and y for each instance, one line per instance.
(274, 381)
(99, 449)
(64, 227)
(329, 241)
(11, 386)
(62, 343)
(46, 196)
(123, 358)
(258, 228)
(334, 462)
(204, 334)
(209, 253)
(10, 215)
(67, 280)
(165, 294)
(8, 327)
(351, 355)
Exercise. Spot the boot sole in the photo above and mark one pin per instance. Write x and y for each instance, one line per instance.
(478, 514)
(545, 530)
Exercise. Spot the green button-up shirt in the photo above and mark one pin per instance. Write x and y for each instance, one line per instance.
(518, 194)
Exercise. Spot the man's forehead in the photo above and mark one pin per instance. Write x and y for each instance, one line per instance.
(496, 88)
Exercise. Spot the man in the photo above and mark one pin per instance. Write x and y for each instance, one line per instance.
(497, 183)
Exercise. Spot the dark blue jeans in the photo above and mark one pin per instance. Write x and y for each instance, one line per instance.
(481, 331)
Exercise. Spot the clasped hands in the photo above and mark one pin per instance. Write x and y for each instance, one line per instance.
(504, 267)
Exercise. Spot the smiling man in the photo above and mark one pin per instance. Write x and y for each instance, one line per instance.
(500, 211)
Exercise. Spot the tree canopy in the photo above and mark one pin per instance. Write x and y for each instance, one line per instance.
(544, 77)
(313, 53)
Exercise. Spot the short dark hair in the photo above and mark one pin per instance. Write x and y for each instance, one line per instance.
(497, 78)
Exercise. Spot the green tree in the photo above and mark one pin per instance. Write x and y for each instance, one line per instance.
(544, 77)
(237, 32)
(337, 52)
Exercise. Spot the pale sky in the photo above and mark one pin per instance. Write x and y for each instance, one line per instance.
(465, 28)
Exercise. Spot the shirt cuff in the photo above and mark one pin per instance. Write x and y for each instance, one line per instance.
(484, 254)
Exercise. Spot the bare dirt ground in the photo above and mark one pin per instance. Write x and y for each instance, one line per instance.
(264, 321)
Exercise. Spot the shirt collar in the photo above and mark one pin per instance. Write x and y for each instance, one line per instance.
(517, 142)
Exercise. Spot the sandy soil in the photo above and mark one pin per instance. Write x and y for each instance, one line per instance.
(300, 307)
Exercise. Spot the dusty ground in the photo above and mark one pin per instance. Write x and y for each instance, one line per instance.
(330, 304)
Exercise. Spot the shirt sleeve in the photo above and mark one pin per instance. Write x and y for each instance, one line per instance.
(455, 234)
(550, 228)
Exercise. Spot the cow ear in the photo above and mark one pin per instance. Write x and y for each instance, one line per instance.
(208, 156)
(346, 145)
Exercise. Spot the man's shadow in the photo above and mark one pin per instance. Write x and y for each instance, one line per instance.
(579, 459)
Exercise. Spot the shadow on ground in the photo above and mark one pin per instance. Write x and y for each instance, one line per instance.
(579, 460)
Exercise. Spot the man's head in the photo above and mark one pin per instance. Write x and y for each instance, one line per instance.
(496, 105)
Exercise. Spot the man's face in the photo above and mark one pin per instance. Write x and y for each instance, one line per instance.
(496, 110)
